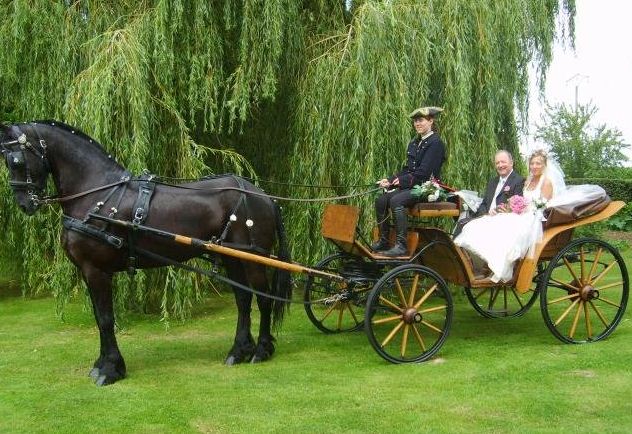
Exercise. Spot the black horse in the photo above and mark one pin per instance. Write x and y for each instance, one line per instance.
(88, 180)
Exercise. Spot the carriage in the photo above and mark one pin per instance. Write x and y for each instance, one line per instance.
(405, 304)
(114, 221)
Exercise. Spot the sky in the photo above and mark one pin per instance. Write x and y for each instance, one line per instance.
(600, 68)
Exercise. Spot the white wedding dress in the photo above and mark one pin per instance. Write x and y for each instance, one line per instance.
(502, 239)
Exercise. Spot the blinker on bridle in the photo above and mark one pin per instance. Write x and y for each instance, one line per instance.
(16, 157)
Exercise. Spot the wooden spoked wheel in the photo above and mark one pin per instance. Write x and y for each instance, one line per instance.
(409, 313)
(585, 291)
(335, 307)
(504, 301)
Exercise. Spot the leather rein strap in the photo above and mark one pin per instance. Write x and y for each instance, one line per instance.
(52, 199)
(55, 199)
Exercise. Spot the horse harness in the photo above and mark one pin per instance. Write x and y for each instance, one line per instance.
(14, 152)
(140, 212)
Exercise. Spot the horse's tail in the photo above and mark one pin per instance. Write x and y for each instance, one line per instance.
(282, 280)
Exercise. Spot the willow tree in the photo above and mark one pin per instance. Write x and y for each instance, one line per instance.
(285, 90)
(470, 57)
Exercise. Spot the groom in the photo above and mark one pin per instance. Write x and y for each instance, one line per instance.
(499, 189)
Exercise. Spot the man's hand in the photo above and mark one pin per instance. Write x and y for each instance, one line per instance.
(383, 183)
(500, 208)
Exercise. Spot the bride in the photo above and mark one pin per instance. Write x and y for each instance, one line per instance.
(502, 237)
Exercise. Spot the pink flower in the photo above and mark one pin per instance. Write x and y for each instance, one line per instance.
(507, 188)
(518, 204)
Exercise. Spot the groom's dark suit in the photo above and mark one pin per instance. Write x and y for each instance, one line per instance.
(513, 185)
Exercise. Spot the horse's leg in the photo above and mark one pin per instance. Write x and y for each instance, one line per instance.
(265, 342)
(110, 366)
(244, 344)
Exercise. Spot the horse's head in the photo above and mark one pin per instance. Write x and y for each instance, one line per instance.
(25, 157)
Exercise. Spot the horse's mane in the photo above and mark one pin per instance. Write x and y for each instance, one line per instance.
(73, 130)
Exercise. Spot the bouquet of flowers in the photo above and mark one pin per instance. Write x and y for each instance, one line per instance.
(540, 203)
(517, 204)
(430, 191)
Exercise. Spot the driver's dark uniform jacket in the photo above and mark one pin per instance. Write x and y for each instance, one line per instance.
(424, 158)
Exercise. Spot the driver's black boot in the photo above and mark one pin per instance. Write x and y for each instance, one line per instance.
(401, 228)
(384, 227)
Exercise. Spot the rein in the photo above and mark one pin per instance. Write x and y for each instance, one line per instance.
(284, 198)
(54, 199)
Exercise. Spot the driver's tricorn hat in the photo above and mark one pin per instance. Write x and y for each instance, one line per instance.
(423, 112)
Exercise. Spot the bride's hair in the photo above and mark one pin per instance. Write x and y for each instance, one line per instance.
(539, 153)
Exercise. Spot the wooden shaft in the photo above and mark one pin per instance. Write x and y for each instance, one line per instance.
(227, 251)
(251, 257)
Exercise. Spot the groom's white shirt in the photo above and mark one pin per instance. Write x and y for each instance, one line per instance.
(501, 183)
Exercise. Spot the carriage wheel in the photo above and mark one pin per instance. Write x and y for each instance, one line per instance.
(409, 312)
(504, 301)
(585, 291)
(335, 307)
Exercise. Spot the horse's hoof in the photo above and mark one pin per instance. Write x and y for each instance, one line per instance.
(104, 380)
(94, 373)
(231, 360)
(257, 359)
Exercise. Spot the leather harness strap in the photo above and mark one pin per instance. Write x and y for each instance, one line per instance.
(140, 212)
(73, 224)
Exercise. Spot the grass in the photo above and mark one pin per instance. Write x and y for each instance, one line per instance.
(490, 376)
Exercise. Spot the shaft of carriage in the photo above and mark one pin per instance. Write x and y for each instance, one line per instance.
(222, 250)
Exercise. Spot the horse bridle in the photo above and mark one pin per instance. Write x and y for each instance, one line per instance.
(14, 152)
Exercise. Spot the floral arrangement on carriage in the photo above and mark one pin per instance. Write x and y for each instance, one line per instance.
(431, 191)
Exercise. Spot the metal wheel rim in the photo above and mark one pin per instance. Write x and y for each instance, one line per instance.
(338, 309)
(572, 310)
(392, 326)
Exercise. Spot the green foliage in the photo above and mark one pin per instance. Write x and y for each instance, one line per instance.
(362, 80)
(622, 221)
(583, 150)
(614, 173)
(294, 91)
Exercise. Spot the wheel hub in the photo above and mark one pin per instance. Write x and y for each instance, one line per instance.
(412, 316)
(588, 292)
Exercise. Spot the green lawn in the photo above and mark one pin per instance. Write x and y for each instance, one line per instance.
(490, 376)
